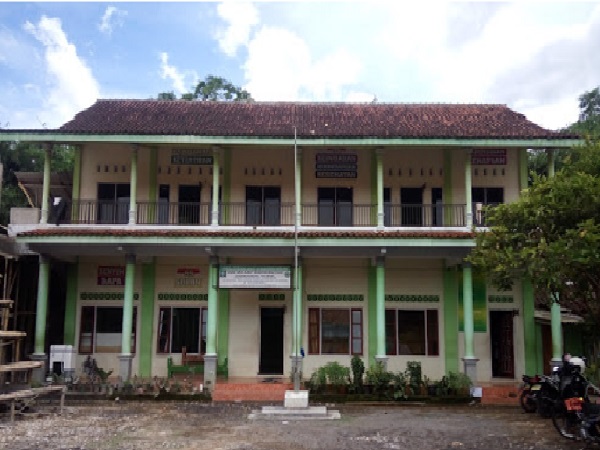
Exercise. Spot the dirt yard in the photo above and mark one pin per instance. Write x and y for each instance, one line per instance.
(195, 426)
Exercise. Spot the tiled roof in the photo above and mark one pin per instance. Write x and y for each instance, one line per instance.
(178, 233)
(312, 120)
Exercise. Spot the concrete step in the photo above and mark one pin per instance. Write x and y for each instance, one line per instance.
(282, 413)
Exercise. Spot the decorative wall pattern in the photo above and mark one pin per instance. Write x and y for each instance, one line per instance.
(174, 296)
(335, 297)
(500, 299)
(105, 296)
(413, 298)
(271, 296)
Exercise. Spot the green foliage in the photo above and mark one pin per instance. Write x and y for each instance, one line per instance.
(358, 371)
(214, 88)
(458, 382)
(414, 374)
(379, 378)
(332, 373)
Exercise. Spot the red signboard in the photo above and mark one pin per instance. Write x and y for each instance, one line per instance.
(111, 275)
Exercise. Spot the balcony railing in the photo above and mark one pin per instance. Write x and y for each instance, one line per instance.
(273, 213)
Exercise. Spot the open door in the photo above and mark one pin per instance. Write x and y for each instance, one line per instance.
(271, 341)
(502, 343)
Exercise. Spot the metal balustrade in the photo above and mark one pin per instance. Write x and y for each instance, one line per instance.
(90, 212)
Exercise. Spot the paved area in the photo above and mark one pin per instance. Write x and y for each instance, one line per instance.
(195, 426)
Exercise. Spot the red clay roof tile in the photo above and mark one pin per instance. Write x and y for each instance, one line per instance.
(312, 120)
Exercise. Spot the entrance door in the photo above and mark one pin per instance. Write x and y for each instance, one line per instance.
(271, 341)
(189, 204)
(411, 200)
(501, 334)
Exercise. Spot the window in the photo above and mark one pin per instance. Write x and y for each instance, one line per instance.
(481, 197)
(335, 206)
(101, 329)
(263, 204)
(182, 327)
(113, 203)
(412, 332)
(335, 331)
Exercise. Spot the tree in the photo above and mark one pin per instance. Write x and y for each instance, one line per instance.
(212, 88)
(24, 157)
(588, 124)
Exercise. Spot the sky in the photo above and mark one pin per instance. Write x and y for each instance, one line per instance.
(537, 57)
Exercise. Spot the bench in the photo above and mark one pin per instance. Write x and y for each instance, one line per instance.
(190, 364)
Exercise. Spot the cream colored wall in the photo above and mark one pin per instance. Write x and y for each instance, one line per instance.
(482, 341)
(413, 168)
(87, 275)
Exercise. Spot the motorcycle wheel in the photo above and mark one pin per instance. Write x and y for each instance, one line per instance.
(527, 402)
(566, 423)
(545, 407)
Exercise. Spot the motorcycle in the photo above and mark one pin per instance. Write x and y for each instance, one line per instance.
(574, 416)
(539, 393)
(529, 393)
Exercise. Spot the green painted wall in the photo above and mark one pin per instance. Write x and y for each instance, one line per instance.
(573, 339)
(451, 319)
(529, 333)
(372, 311)
(71, 305)
(223, 326)
(147, 319)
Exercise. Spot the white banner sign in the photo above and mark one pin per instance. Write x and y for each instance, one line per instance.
(255, 277)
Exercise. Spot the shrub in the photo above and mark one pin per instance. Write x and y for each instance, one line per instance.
(358, 371)
(379, 378)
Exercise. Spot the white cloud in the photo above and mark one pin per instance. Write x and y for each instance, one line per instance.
(181, 81)
(69, 85)
(240, 17)
(112, 18)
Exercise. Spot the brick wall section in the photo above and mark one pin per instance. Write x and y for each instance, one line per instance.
(500, 395)
(248, 392)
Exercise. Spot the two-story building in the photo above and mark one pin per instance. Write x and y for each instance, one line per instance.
(270, 237)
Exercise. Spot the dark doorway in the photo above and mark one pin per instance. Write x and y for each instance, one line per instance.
(411, 200)
(437, 200)
(263, 205)
(501, 334)
(335, 206)
(189, 204)
(271, 341)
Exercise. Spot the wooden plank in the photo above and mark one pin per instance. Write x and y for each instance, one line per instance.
(33, 392)
(12, 334)
(21, 365)
(6, 302)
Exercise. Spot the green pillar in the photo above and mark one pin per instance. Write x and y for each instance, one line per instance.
(226, 184)
(468, 310)
(551, 162)
(379, 160)
(133, 186)
(42, 305)
(380, 313)
(215, 190)
(223, 331)
(298, 186)
(523, 169)
(146, 337)
(556, 327)
(451, 319)
(450, 216)
(468, 189)
(127, 328)
(71, 304)
(46, 184)
(210, 357)
(76, 184)
(372, 308)
(529, 334)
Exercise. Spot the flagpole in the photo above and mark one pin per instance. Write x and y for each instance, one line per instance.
(296, 318)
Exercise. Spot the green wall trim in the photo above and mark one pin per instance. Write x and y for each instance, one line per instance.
(106, 296)
(147, 319)
(271, 296)
(412, 298)
(335, 297)
(372, 312)
(529, 334)
(451, 320)
(223, 327)
(141, 139)
(500, 299)
(71, 304)
(172, 296)
(466, 243)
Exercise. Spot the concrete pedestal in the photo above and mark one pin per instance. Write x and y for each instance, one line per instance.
(296, 399)
(38, 375)
(125, 367)
(210, 371)
(470, 367)
(383, 360)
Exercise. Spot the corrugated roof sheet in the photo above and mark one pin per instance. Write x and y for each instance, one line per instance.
(312, 120)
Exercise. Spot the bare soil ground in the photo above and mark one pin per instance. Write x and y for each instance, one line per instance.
(199, 426)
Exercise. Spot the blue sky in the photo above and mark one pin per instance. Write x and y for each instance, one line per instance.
(537, 57)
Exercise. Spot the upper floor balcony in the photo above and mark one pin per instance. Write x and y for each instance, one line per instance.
(267, 214)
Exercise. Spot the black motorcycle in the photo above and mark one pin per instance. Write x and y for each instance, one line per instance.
(574, 416)
(539, 393)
